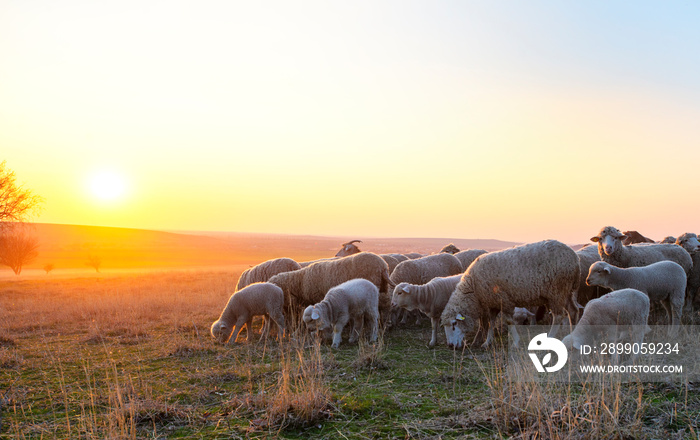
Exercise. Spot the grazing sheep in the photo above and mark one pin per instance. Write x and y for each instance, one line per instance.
(450, 249)
(391, 261)
(349, 248)
(523, 316)
(690, 243)
(616, 316)
(668, 239)
(632, 237)
(422, 270)
(467, 257)
(663, 281)
(356, 299)
(612, 251)
(264, 271)
(256, 299)
(309, 285)
(414, 255)
(588, 255)
(530, 275)
(429, 298)
(399, 257)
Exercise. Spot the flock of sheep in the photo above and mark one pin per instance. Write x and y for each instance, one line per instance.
(466, 291)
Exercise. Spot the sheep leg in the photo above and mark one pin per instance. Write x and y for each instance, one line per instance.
(248, 329)
(674, 309)
(493, 314)
(374, 327)
(357, 325)
(435, 323)
(557, 320)
(237, 329)
(279, 320)
(265, 328)
(338, 331)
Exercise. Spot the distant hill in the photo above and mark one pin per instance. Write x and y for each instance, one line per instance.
(69, 246)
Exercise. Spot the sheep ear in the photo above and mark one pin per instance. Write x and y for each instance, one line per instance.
(595, 239)
(459, 317)
(405, 289)
(314, 314)
(607, 270)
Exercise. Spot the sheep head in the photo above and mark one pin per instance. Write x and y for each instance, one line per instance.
(349, 248)
(609, 240)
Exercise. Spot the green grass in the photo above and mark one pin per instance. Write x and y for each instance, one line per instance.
(132, 358)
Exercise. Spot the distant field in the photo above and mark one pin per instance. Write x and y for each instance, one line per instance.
(129, 356)
(68, 247)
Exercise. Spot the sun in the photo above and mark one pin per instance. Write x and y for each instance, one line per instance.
(107, 185)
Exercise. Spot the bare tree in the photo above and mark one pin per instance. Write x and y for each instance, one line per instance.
(95, 262)
(16, 203)
(17, 247)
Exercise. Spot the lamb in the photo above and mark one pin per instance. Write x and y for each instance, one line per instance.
(623, 313)
(357, 299)
(588, 255)
(256, 299)
(429, 298)
(264, 271)
(422, 270)
(450, 249)
(612, 251)
(468, 256)
(349, 248)
(668, 239)
(309, 285)
(690, 243)
(530, 275)
(663, 281)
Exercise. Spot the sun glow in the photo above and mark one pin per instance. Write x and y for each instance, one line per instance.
(107, 185)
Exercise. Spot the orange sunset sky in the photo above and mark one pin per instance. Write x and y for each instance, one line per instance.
(512, 120)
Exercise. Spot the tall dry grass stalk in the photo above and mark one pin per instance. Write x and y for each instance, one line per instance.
(524, 407)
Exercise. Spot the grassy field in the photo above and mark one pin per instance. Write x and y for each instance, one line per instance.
(130, 356)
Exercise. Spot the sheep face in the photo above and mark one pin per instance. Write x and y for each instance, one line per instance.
(609, 240)
(402, 297)
(689, 242)
(314, 321)
(598, 274)
(457, 328)
(221, 331)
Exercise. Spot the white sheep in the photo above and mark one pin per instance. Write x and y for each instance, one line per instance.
(689, 242)
(588, 255)
(264, 271)
(468, 256)
(309, 285)
(422, 270)
(616, 316)
(355, 300)
(543, 273)
(611, 250)
(429, 298)
(450, 249)
(254, 300)
(663, 282)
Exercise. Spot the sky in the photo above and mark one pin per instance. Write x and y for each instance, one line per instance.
(513, 120)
